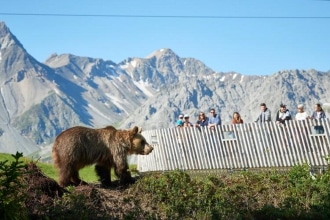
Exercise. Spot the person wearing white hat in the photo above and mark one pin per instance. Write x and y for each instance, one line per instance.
(301, 114)
(179, 122)
(186, 122)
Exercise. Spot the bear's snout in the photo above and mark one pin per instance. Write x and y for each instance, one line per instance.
(148, 148)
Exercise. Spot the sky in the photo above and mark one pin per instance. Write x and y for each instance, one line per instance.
(251, 37)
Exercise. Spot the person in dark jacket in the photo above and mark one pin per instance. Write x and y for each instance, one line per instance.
(202, 120)
(282, 115)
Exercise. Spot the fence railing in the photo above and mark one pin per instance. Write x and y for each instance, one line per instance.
(242, 146)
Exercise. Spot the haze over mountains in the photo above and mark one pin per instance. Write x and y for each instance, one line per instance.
(39, 100)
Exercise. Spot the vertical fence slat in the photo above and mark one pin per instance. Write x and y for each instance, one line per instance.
(294, 136)
(204, 148)
(256, 146)
(214, 157)
(241, 143)
(218, 145)
(248, 145)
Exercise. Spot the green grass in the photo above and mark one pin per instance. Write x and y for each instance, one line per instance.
(8, 157)
(87, 174)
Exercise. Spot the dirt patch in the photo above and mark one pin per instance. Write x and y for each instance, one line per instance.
(45, 198)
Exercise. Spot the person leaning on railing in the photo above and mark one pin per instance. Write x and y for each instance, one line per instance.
(214, 119)
(179, 122)
(236, 119)
(186, 122)
(265, 114)
(318, 112)
(301, 114)
(202, 120)
(282, 115)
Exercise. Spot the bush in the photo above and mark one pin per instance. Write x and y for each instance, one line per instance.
(241, 195)
(178, 196)
(11, 189)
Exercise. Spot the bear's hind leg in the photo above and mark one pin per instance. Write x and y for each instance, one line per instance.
(104, 175)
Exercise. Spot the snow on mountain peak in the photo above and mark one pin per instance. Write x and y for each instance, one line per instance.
(144, 87)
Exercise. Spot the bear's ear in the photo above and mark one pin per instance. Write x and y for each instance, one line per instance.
(134, 130)
(140, 130)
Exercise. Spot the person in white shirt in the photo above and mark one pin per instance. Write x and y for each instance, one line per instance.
(301, 115)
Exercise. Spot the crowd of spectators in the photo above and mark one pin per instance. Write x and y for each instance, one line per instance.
(282, 115)
(202, 121)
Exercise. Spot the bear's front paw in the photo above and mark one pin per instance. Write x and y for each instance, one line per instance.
(106, 183)
(127, 181)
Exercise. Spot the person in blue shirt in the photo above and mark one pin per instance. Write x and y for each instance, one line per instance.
(179, 122)
(214, 119)
(318, 112)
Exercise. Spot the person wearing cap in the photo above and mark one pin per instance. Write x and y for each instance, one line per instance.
(282, 115)
(265, 114)
(179, 122)
(186, 122)
(301, 114)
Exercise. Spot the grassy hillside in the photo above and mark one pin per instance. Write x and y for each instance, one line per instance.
(295, 194)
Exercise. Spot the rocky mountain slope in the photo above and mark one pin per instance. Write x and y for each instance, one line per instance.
(39, 100)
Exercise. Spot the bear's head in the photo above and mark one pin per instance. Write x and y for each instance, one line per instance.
(139, 145)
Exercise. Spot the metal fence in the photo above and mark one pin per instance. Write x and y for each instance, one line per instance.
(242, 146)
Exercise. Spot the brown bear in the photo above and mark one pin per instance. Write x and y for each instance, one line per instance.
(106, 147)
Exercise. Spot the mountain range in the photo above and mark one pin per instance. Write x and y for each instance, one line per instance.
(39, 100)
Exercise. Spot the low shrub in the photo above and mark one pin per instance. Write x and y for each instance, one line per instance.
(12, 194)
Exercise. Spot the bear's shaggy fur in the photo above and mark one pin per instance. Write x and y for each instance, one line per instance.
(106, 147)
